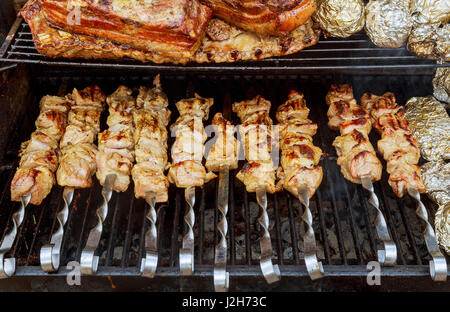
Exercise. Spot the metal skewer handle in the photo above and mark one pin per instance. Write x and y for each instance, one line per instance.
(150, 261)
(314, 267)
(221, 276)
(89, 262)
(8, 265)
(270, 271)
(438, 266)
(50, 253)
(388, 255)
(187, 250)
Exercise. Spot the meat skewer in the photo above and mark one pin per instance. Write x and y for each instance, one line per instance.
(150, 138)
(77, 164)
(114, 161)
(258, 174)
(34, 178)
(222, 157)
(301, 173)
(357, 157)
(401, 152)
(186, 170)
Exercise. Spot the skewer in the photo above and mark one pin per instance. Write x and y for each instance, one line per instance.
(187, 250)
(150, 261)
(50, 253)
(314, 267)
(270, 271)
(438, 266)
(221, 276)
(388, 255)
(89, 262)
(8, 265)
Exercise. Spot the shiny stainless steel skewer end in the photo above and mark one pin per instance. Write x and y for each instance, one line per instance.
(150, 261)
(313, 265)
(270, 271)
(438, 266)
(89, 261)
(187, 250)
(50, 253)
(8, 265)
(388, 255)
(221, 276)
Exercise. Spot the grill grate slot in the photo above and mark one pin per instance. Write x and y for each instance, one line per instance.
(343, 219)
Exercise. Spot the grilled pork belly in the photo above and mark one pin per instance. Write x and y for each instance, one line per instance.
(239, 45)
(356, 155)
(224, 152)
(150, 137)
(299, 156)
(171, 27)
(274, 17)
(39, 155)
(188, 150)
(397, 145)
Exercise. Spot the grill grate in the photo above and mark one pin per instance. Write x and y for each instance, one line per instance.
(352, 54)
(343, 220)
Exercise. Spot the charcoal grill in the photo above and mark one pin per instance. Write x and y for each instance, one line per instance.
(343, 220)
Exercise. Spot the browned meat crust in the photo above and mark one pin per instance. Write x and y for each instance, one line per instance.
(240, 45)
(173, 27)
(273, 17)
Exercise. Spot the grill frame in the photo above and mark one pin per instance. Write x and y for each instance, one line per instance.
(351, 55)
(245, 86)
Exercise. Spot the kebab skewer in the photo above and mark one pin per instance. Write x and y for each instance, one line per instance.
(357, 157)
(114, 161)
(258, 174)
(401, 152)
(222, 158)
(150, 138)
(301, 174)
(35, 176)
(77, 163)
(186, 170)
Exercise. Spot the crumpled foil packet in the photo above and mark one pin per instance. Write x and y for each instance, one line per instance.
(430, 125)
(388, 22)
(431, 41)
(339, 18)
(441, 85)
(431, 11)
(436, 176)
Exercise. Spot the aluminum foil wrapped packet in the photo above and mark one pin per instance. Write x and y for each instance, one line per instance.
(431, 11)
(339, 18)
(388, 22)
(441, 85)
(431, 41)
(430, 125)
(436, 176)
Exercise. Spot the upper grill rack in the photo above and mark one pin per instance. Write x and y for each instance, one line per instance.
(342, 216)
(352, 54)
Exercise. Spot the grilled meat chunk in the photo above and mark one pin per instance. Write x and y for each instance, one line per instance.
(258, 173)
(77, 165)
(274, 17)
(37, 181)
(171, 27)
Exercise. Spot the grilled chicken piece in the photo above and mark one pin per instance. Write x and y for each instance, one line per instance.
(300, 155)
(114, 163)
(89, 96)
(39, 142)
(44, 158)
(292, 177)
(36, 181)
(343, 111)
(83, 117)
(122, 139)
(258, 173)
(170, 27)
(293, 110)
(254, 111)
(54, 103)
(188, 150)
(77, 135)
(344, 144)
(52, 123)
(150, 137)
(398, 146)
(257, 141)
(224, 152)
(239, 45)
(77, 165)
(340, 92)
(306, 127)
(273, 17)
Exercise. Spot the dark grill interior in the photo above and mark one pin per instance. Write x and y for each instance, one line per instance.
(354, 53)
(343, 219)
